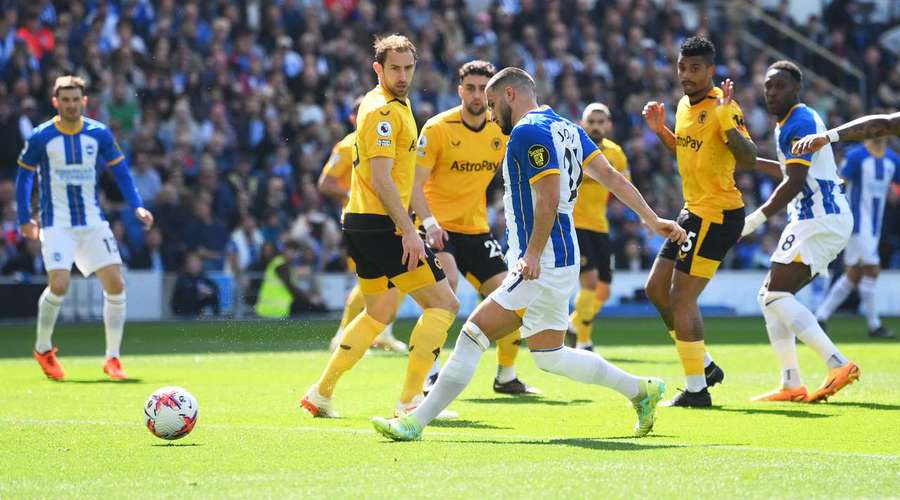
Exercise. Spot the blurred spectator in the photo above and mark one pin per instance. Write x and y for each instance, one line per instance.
(206, 236)
(26, 260)
(195, 293)
(146, 178)
(279, 295)
(151, 256)
(245, 246)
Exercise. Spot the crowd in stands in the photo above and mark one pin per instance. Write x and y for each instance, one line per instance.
(228, 109)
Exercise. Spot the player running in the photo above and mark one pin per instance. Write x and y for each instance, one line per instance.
(541, 173)
(592, 228)
(68, 153)
(819, 225)
(334, 182)
(870, 169)
(867, 127)
(459, 152)
(381, 237)
(709, 141)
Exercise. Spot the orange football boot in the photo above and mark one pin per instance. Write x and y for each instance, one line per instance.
(796, 394)
(49, 364)
(113, 368)
(837, 379)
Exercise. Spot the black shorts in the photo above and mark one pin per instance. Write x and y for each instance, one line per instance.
(708, 242)
(379, 267)
(478, 256)
(595, 253)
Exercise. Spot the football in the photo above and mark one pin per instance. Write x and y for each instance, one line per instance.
(170, 413)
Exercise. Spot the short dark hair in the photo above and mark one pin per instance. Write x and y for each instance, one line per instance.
(395, 42)
(481, 68)
(789, 67)
(69, 82)
(513, 77)
(699, 46)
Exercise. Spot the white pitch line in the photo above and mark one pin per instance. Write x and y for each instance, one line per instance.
(471, 438)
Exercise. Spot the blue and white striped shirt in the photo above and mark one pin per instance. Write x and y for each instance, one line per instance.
(870, 179)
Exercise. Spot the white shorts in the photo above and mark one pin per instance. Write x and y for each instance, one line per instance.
(90, 247)
(814, 242)
(862, 249)
(545, 300)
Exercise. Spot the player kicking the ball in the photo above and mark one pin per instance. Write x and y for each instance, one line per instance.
(66, 153)
(819, 227)
(541, 173)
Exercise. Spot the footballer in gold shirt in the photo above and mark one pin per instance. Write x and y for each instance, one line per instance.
(459, 151)
(709, 141)
(592, 228)
(382, 239)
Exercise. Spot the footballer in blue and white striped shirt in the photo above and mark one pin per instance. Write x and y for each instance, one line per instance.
(68, 154)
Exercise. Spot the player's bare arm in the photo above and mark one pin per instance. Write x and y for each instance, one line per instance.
(329, 186)
(386, 189)
(546, 200)
(783, 194)
(743, 149)
(655, 115)
(600, 170)
(867, 127)
(769, 167)
(434, 233)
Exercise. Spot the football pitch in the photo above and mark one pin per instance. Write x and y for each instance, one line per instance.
(85, 437)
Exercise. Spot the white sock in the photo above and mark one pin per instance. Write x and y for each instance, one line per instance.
(785, 346)
(48, 310)
(587, 367)
(694, 383)
(801, 322)
(583, 345)
(114, 322)
(867, 300)
(506, 374)
(707, 359)
(836, 296)
(435, 368)
(455, 376)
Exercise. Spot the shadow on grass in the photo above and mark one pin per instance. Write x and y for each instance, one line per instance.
(173, 445)
(527, 400)
(464, 424)
(795, 413)
(105, 381)
(604, 444)
(868, 406)
(647, 361)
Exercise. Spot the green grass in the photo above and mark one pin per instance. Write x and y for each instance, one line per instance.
(85, 437)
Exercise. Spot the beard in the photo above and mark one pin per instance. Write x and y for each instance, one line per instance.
(476, 110)
(504, 119)
(597, 137)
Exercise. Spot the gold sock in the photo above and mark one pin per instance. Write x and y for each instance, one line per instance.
(508, 349)
(691, 354)
(425, 344)
(356, 340)
(672, 334)
(355, 304)
(583, 316)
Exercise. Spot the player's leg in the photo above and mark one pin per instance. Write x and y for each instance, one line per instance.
(58, 252)
(380, 308)
(659, 287)
(784, 345)
(582, 318)
(489, 321)
(689, 340)
(507, 380)
(113, 317)
(451, 271)
(867, 301)
(386, 340)
(49, 305)
(841, 289)
(354, 305)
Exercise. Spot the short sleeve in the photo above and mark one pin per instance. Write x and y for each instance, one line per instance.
(737, 114)
(379, 133)
(791, 133)
(109, 149)
(535, 152)
(31, 153)
(428, 148)
(851, 169)
(338, 162)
